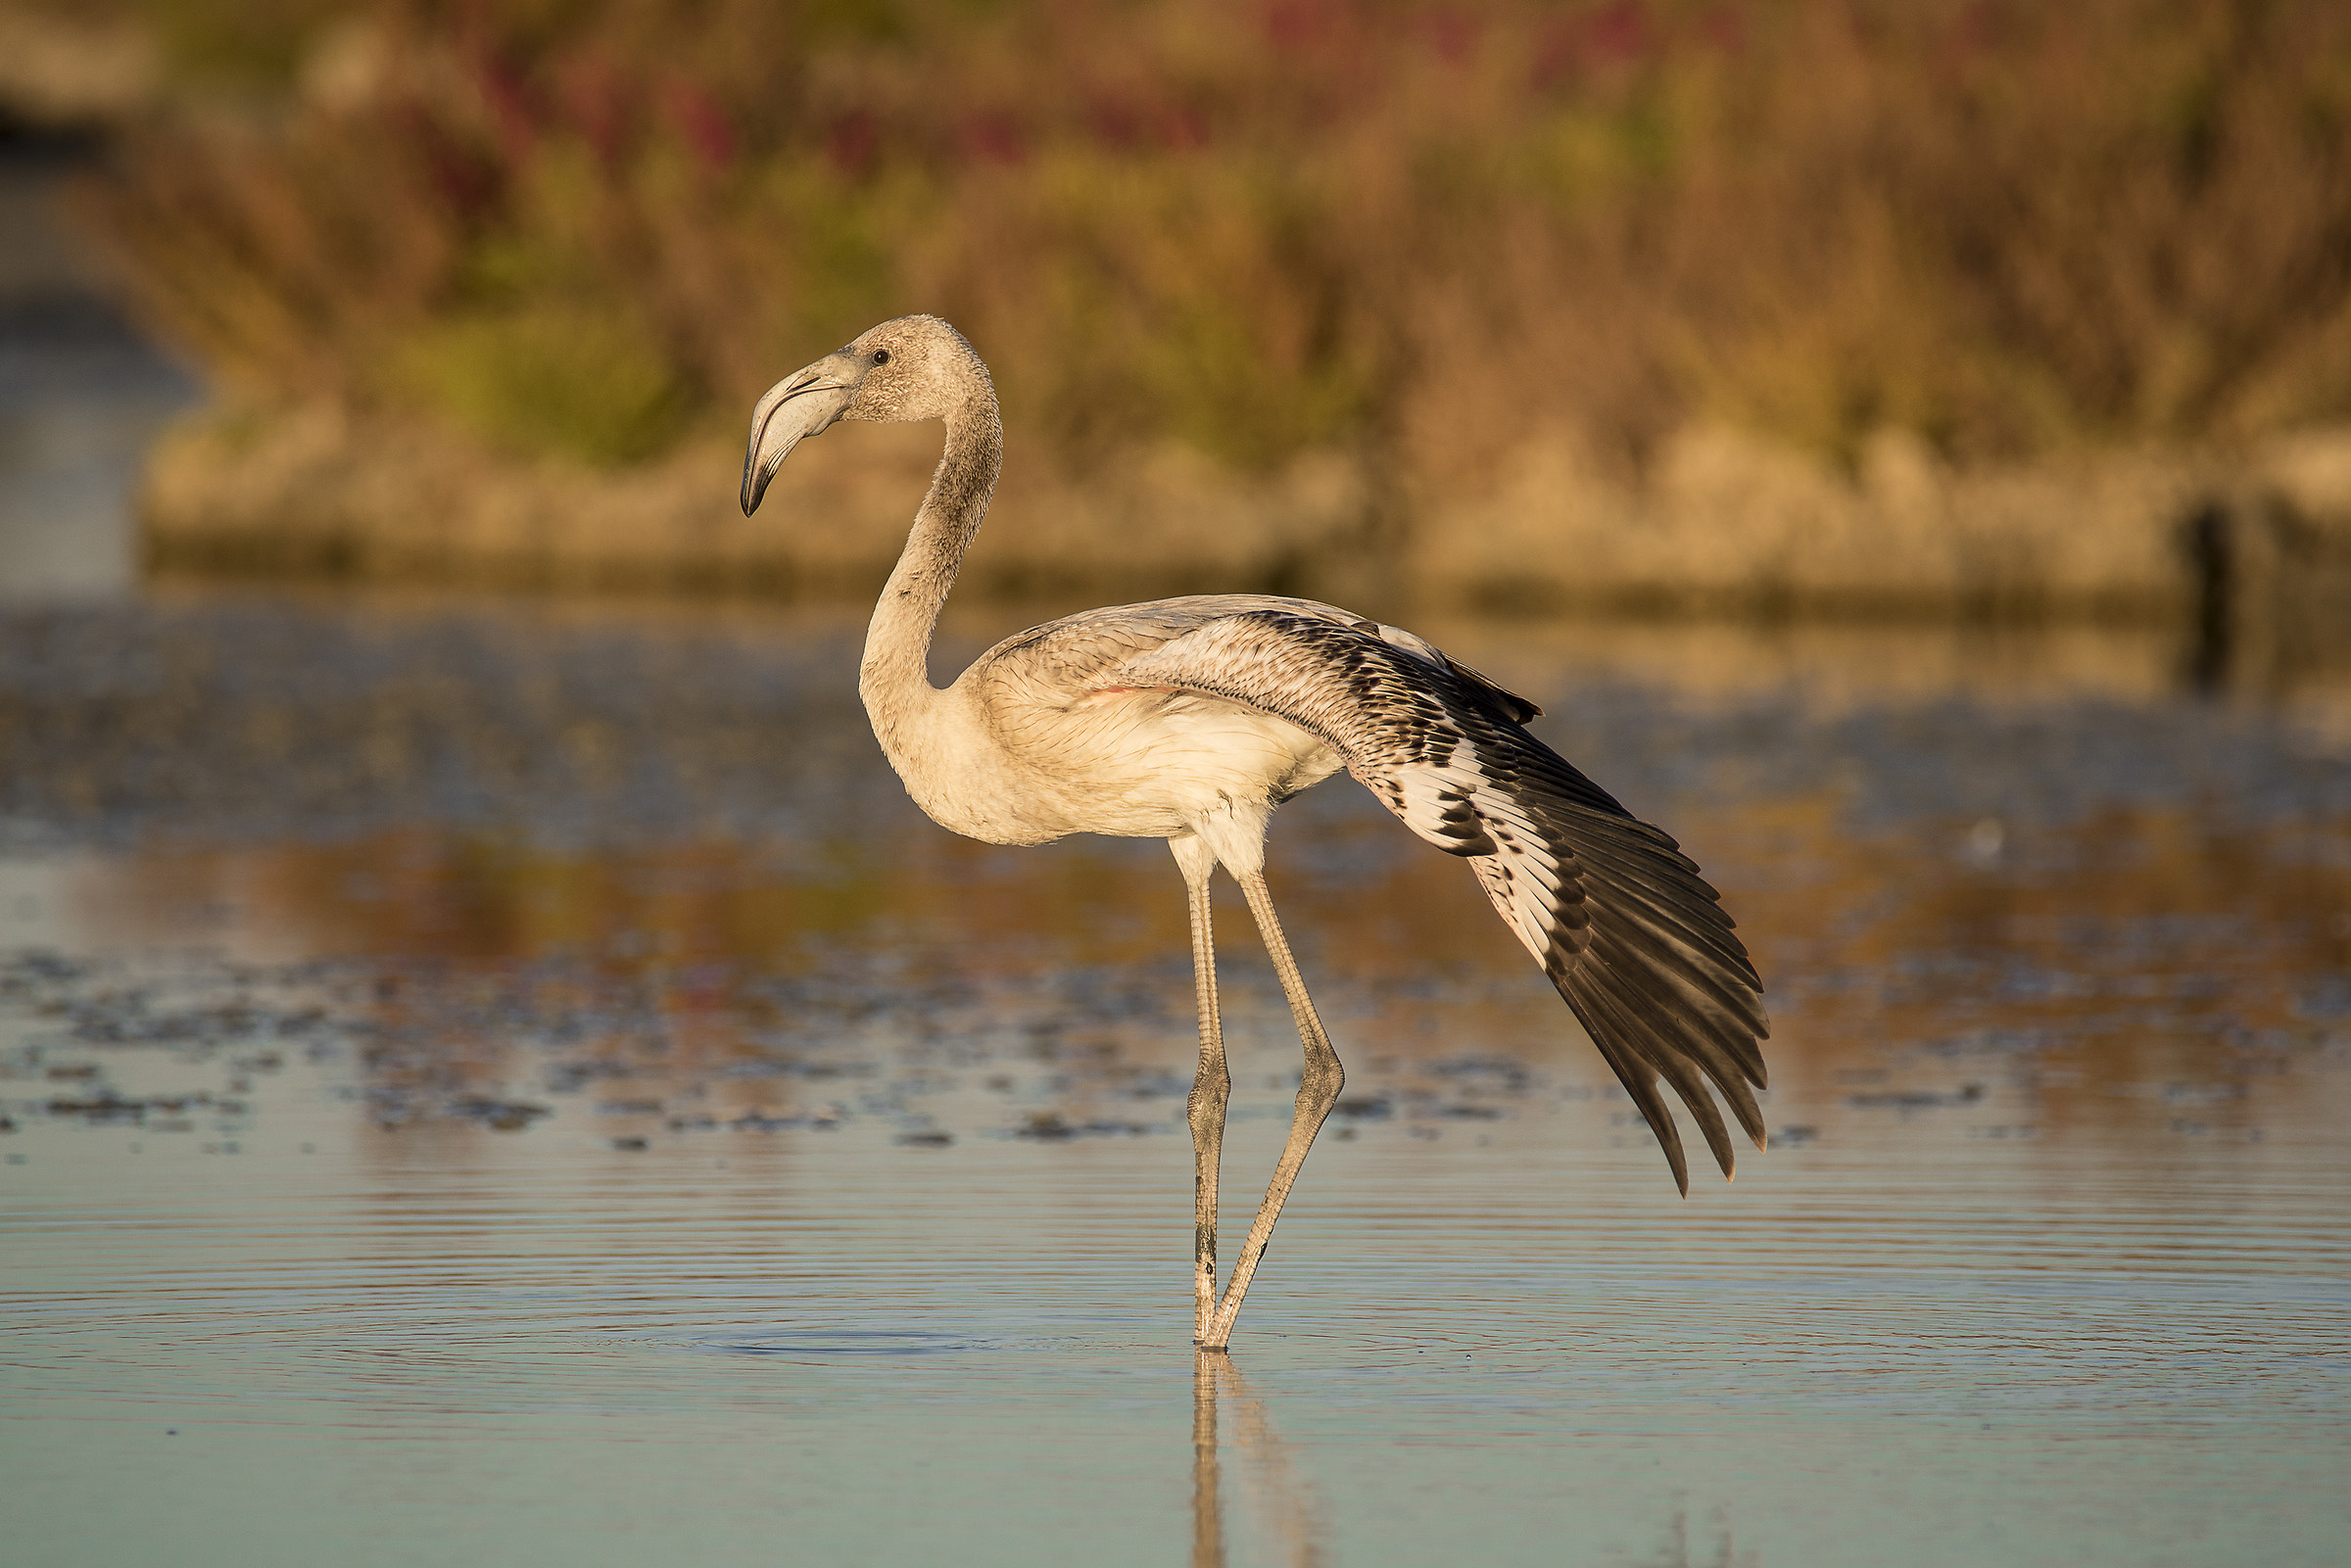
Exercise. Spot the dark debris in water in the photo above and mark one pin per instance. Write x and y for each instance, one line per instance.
(506, 1116)
(1051, 1126)
(1916, 1099)
(111, 1107)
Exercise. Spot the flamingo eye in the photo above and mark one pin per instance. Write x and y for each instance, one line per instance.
(881, 357)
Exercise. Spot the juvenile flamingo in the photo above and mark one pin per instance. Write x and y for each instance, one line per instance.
(1191, 719)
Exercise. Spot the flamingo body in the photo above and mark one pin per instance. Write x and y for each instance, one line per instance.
(1192, 718)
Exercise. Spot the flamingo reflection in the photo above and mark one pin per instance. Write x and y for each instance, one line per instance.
(1275, 1490)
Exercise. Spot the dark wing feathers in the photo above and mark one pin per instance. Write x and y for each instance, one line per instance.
(1620, 918)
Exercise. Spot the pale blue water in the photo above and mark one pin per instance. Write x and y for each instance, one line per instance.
(491, 1084)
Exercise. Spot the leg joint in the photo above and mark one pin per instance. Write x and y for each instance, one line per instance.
(1209, 1095)
(1322, 1081)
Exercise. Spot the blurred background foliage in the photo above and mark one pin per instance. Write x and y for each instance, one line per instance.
(1425, 232)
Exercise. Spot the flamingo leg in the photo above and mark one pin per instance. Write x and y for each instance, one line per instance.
(1318, 1091)
(1211, 1086)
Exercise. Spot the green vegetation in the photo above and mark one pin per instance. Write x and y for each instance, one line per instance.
(1431, 232)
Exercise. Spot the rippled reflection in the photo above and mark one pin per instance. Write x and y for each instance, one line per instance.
(1277, 1491)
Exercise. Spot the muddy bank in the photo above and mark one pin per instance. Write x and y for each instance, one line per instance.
(319, 491)
(1721, 523)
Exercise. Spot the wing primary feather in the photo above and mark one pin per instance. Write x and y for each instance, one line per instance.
(1712, 1052)
(1637, 863)
(1605, 1025)
(1696, 1096)
(1692, 1088)
(1644, 941)
(1670, 921)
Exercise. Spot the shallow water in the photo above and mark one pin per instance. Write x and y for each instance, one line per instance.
(495, 1083)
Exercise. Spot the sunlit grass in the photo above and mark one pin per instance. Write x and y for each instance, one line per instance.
(1429, 233)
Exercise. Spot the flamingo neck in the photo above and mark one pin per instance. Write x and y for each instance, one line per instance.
(895, 679)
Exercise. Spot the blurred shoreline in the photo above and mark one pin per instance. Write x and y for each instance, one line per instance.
(1642, 309)
(84, 394)
(1726, 525)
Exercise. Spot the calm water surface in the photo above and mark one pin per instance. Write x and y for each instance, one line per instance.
(500, 1084)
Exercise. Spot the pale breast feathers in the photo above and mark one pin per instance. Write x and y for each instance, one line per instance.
(1632, 936)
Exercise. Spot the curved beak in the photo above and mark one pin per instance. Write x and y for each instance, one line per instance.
(801, 404)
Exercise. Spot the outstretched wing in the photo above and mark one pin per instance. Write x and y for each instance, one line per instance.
(1620, 920)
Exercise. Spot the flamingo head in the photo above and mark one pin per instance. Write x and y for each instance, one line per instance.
(915, 367)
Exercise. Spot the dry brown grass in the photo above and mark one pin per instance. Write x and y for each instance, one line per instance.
(1451, 244)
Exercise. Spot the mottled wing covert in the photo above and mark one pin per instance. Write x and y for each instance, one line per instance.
(1634, 938)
